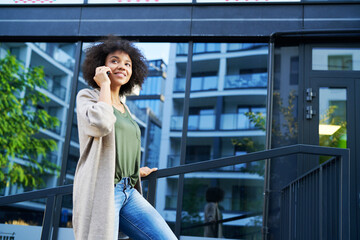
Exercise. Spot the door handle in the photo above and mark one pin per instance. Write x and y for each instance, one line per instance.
(310, 94)
(310, 112)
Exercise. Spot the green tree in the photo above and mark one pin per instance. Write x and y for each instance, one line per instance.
(21, 119)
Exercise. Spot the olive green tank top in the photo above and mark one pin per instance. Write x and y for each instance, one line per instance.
(128, 148)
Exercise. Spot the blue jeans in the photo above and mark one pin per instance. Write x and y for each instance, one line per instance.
(138, 219)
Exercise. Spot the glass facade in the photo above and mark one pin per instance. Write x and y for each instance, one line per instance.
(226, 116)
(221, 122)
(225, 99)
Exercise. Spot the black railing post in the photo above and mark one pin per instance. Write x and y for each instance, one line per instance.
(48, 218)
(345, 196)
(151, 196)
(183, 140)
(321, 194)
(290, 210)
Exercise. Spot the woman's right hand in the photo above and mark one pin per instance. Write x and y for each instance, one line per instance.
(101, 77)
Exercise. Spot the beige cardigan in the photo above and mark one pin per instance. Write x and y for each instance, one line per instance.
(93, 194)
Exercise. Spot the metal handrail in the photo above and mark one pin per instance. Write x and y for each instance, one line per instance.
(343, 154)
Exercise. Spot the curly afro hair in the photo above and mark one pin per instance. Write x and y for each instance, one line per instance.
(214, 194)
(96, 56)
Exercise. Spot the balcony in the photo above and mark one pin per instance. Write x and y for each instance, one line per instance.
(196, 122)
(56, 88)
(233, 121)
(199, 48)
(56, 52)
(203, 48)
(57, 129)
(208, 83)
(228, 121)
(52, 157)
(59, 91)
(255, 80)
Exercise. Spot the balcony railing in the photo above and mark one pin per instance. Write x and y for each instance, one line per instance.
(207, 83)
(206, 122)
(340, 221)
(202, 48)
(57, 54)
(196, 122)
(59, 91)
(255, 80)
(233, 121)
(52, 157)
(57, 129)
(56, 88)
(199, 48)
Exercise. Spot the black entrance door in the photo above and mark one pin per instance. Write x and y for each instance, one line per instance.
(331, 111)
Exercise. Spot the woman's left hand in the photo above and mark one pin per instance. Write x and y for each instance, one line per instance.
(145, 171)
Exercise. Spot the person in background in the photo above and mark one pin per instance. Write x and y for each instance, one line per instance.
(212, 213)
(107, 190)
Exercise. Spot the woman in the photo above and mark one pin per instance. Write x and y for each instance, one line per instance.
(212, 213)
(108, 171)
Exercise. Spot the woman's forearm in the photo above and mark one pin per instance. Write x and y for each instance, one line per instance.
(105, 93)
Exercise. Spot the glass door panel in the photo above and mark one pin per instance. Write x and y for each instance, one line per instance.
(332, 118)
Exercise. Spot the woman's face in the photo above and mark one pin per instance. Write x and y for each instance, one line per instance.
(121, 67)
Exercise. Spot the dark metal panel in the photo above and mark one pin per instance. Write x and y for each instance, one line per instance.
(336, 16)
(136, 21)
(245, 20)
(43, 13)
(38, 28)
(132, 12)
(39, 21)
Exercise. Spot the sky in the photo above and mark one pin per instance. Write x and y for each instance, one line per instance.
(155, 50)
